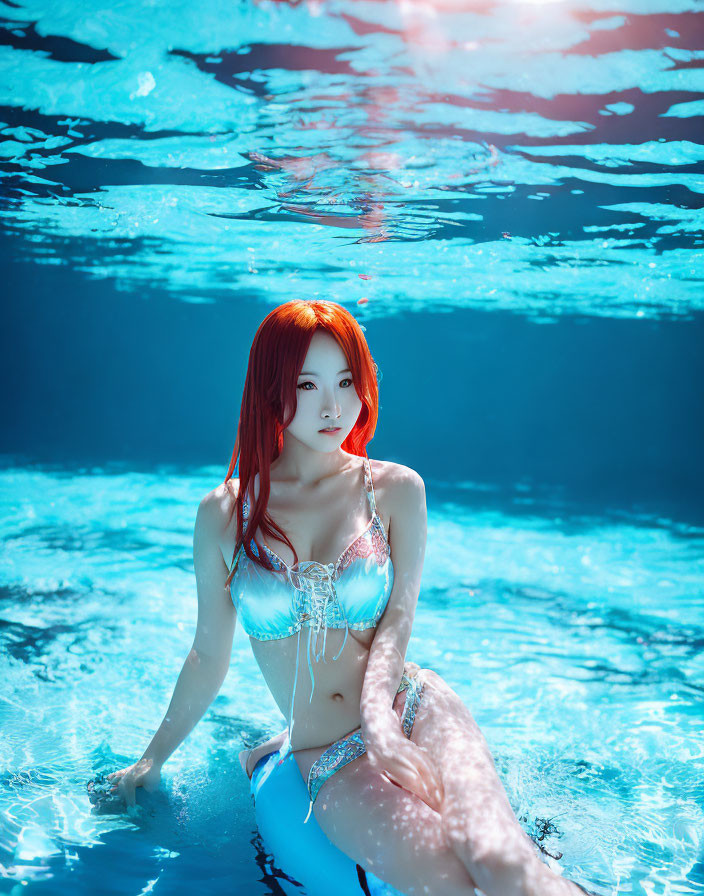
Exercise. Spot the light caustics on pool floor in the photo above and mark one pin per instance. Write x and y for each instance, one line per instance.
(544, 158)
(541, 157)
(576, 643)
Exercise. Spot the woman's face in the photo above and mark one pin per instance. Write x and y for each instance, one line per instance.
(326, 396)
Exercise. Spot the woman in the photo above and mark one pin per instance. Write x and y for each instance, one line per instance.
(399, 776)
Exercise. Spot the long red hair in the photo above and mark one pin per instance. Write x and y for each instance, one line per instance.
(276, 358)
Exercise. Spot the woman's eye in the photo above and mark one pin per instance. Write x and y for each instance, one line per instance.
(308, 383)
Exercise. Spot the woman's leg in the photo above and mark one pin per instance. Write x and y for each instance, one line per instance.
(389, 832)
(382, 827)
(477, 818)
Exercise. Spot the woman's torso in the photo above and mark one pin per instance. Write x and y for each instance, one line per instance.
(338, 521)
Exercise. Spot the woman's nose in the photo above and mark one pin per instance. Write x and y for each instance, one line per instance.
(331, 406)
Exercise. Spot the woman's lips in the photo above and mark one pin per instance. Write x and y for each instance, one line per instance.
(330, 432)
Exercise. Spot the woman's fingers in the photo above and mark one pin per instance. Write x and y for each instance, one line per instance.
(126, 788)
(417, 785)
(405, 763)
(123, 782)
(115, 778)
(409, 766)
(423, 770)
(432, 778)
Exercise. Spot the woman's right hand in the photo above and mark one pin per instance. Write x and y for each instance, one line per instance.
(143, 773)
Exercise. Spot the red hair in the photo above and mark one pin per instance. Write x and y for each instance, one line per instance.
(276, 358)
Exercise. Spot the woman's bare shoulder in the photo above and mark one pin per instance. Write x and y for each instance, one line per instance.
(395, 480)
(219, 504)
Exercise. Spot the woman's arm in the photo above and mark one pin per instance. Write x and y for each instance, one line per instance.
(408, 532)
(206, 665)
(388, 749)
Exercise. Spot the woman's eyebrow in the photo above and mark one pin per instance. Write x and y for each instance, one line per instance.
(311, 373)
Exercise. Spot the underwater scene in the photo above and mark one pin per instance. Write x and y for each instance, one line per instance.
(508, 198)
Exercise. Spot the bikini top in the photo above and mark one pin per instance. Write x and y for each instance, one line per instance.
(351, 593)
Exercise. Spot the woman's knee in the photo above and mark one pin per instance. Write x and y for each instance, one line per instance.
(431, 677)
(442, 693)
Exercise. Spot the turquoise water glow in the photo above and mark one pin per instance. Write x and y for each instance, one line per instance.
(548, 153)
(508, 196)
(576, 643)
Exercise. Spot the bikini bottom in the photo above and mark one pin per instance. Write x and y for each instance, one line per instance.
(351, 746)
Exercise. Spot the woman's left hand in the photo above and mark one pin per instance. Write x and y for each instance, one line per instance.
(405, 763)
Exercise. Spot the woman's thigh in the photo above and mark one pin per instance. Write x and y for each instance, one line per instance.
(477, 817)
(390, 832)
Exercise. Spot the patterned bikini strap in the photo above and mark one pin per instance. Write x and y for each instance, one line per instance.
(245, 517)
(369, 483)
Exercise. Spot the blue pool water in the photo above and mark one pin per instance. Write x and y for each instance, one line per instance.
(575, 641)
(508, 197)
